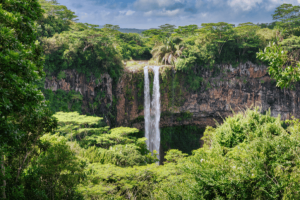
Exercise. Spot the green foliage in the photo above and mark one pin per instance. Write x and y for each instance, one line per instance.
(113, 137)
(217, 43)
(61, 75)
(173, 155)
(132, 46)
(112, 182)
(244, 127)
(186, 30)
(56, 18)
(24, 116)
(75, 126)
(276, 57)
(112, 27)
(61, 100)
(119, 155)
(168, 51)
(55, 173)
(76, 119)
(88, 51)
(288, 15)
(249, 156)
(167, 28)
(117, 146)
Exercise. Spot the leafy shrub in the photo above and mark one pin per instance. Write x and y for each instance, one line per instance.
(173, 155)
(61, 75)
(249, 156)
(54, 173)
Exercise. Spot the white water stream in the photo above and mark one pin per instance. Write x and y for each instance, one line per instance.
(152, 113)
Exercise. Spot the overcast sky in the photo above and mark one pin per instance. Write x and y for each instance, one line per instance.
(144, 14)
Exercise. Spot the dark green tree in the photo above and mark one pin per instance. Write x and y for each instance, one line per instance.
(187, 30)
(24, 116)
(288, 16)
(168, 51)
(111, 27)
(284, 72)
(167, 28)
(218, 33)
(56, 18)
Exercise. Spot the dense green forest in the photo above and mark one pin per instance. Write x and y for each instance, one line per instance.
(51, 151)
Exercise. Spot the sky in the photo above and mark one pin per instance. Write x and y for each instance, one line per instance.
(145, 14)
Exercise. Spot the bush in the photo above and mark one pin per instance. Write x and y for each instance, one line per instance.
(249, 156)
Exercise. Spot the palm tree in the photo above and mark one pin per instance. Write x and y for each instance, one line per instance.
(168, 51)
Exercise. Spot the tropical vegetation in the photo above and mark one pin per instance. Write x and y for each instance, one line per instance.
(50, 150)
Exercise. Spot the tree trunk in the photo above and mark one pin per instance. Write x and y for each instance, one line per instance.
(4, 181)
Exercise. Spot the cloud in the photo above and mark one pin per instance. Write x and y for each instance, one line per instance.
(245, 5)
(147, 5)
(136, 13)
(130, 12)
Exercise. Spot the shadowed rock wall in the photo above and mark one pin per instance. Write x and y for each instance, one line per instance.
(89, 90)
(223, 91)
(230, 89)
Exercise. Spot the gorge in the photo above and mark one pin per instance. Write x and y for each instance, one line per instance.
(206, 111)
(231, 89)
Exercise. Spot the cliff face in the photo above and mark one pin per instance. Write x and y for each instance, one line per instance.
(97, 94)
(229, 89)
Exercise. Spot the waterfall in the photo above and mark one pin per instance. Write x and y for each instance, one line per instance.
(155, 111)
(152, 115)
(147, 105)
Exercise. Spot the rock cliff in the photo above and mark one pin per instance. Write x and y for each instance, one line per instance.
(91, 89)
(230, 89)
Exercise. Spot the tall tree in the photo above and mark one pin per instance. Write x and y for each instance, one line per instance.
(218, 33)
(111, 27)
(285, 72)
(167, 28)
(246, 38)
(23, 112)
(56, 18)
(288, 16)
(168, 51)
(187, 30)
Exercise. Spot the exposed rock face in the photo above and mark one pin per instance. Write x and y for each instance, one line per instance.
(88, 89)
(231, 89)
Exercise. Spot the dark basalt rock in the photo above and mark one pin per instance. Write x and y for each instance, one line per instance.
(234, 89)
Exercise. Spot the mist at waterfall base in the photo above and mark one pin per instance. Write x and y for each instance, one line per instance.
(152, 110)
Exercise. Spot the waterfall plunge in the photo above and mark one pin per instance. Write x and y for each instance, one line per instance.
(152, 115)
(147, 106)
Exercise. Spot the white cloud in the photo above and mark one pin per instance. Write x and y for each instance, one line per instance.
(137, 13)
(163, 13)
(169, 13)
(149, 13)
(269, 5)
(245, 5)
(130, 12)
(203, 14)
(156, 4)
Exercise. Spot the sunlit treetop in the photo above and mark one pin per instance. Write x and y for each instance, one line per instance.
(123, 131)
(74, 117)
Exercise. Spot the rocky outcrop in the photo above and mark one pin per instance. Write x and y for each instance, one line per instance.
(230, 89)
(96, 93)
